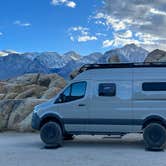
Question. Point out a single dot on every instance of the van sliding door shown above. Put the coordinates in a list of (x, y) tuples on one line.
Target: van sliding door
[(111, 106)]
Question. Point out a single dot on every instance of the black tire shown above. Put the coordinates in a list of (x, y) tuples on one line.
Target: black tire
[(154, 136), (68, 137), (51, 134)]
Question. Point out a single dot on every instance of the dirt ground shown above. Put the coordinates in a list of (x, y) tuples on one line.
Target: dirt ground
[(18, 149)]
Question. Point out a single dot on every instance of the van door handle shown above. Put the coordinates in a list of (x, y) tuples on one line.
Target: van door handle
[(81, 105)]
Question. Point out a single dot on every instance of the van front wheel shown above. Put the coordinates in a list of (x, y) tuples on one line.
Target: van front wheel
[(154, 136), (51, 134)]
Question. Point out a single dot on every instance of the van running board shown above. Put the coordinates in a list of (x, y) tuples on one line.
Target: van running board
[(113, 137)]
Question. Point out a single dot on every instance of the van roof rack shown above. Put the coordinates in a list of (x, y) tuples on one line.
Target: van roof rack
[(121, 65)]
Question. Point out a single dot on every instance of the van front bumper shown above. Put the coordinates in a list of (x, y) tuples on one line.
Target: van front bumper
[(35, 121)]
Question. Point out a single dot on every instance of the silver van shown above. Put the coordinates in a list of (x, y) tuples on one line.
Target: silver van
[(108, 99)]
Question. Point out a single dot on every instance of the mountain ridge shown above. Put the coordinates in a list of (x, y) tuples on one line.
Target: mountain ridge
[(16, 64)]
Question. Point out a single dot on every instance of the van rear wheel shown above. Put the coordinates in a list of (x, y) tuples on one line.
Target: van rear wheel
[(154, 136), (51, 134)]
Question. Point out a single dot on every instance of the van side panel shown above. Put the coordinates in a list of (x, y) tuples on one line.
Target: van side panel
[(148, 103)]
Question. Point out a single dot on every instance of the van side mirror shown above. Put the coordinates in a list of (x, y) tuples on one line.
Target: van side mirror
[(61, 98)]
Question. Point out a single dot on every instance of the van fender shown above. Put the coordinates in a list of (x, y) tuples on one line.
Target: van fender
[(53, 117), (154, 118)]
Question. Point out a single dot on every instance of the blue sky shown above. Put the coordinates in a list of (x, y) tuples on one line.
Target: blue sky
[(49, 25), (84, 26)]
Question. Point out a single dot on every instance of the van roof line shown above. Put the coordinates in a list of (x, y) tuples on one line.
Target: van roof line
[(121, 65)]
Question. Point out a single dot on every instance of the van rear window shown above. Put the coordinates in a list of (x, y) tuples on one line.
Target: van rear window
[(154, 86), (107, 89)]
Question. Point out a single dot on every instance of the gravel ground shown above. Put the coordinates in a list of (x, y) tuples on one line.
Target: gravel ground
[(17, 149)]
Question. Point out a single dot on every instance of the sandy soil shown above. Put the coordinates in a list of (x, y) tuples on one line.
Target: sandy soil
[(17, 149)]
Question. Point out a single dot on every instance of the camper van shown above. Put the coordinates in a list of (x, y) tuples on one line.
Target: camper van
[(108, 99)]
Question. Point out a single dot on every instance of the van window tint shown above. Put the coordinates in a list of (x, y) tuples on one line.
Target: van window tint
[(107, 89), (154, 86), (74, 92), (78, 90)]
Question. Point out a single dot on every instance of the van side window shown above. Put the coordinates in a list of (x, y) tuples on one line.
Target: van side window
[(78, 90), (107, 89), (74, 92), (154, 86)]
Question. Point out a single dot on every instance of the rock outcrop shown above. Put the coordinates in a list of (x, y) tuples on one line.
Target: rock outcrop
[(156, 56), (114, 59), (19, 96)]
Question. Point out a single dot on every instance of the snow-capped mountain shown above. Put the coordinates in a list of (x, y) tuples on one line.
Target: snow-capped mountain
[(71, 56), (31, 55), (128, 53), (7, 52), (16, 64), (92, 58), (50, 60)]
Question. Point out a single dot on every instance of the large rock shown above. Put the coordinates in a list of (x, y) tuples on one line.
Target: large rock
[(50, 93), (2, 96), (156, 56), (14, 88), (2, 87), (26, 79), (21, 111), (19, 96), (10, 95), (44, 80), (34, 92), (114, 59), (25, 125), (57, 81), (74, 73), (6, 107), (31, 85)]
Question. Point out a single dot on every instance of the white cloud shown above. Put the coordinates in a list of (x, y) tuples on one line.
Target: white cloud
[(1, 33), (71, 4), (101, 34), (72, 38), (22, 24), (126, 34), (109, 21), (155, 11), (68, 3), (81, 34), (145, 40), (138, 21), (86, 38), (83, 30), (107, 43), (120, 41), (146, 37)]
